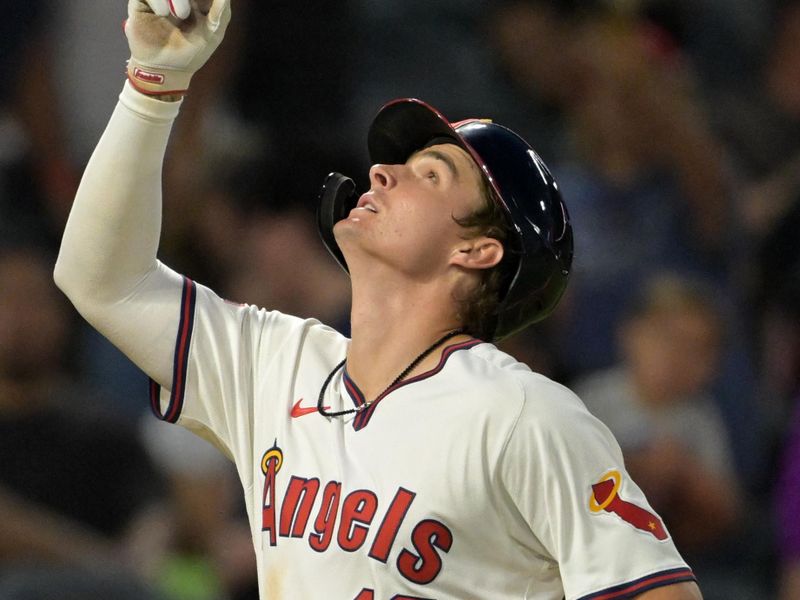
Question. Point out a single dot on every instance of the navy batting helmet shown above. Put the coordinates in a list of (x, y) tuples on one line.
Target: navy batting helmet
[(540, 244)]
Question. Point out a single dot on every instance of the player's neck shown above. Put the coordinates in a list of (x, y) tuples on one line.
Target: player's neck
[(392, 326)]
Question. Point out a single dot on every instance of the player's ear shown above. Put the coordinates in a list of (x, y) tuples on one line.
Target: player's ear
[(478, 253)]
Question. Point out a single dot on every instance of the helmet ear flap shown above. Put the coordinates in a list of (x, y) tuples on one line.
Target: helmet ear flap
[(336, 199)]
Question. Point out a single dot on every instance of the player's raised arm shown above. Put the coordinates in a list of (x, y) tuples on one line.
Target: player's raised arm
[(107, 264)]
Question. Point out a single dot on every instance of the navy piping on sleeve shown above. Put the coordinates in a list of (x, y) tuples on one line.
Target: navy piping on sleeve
[(631, 589), (181, 360)]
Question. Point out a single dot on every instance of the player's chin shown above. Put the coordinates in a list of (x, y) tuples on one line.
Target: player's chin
[(346, 232), (348, 227), (355, 239)]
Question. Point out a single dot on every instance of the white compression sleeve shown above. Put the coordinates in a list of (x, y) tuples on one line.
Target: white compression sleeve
[(107, 263)]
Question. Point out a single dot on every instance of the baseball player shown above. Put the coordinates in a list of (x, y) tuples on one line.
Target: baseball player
[(414, 460)]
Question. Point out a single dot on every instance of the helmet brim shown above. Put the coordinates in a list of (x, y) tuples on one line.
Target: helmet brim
[(406, 125)]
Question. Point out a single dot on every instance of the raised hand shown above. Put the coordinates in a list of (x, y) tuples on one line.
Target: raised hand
[(170, 40)]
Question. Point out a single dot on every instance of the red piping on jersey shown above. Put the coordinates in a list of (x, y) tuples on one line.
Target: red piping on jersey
[(357, 396), (634, 588), (352, 389), (181, 359)]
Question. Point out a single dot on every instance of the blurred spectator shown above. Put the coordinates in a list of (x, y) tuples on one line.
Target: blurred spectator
[(37, 179), (531, 43), (88, 50), (656, 402), (760, 124), (787, 524), (293, 86), (273, 249), (428, 49), (79, 497), (647, 187), (776, 308), (776, 311), (657, 405), (215, 560), (761, 127), (763, 132), (722, 38)]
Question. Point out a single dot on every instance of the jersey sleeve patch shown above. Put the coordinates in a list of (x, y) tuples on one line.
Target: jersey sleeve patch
[(604, 497), (632, 589), (181, 359)]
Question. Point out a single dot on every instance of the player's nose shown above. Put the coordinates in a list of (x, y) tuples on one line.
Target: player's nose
[(382, 177)]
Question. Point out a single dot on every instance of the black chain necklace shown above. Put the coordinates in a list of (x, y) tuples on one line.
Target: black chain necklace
[(397, 379)]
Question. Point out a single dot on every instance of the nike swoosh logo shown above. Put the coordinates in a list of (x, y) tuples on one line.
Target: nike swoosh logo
[(299, 411)]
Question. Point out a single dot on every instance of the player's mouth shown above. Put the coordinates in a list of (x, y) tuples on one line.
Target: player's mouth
[(366, 202)]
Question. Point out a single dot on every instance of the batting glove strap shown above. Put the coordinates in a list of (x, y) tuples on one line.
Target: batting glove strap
[(157, 81)]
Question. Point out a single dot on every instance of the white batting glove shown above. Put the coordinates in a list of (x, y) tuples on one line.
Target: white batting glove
[(170, 40)]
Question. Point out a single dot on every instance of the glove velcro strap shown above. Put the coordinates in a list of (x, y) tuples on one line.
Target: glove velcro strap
[(156, 81)]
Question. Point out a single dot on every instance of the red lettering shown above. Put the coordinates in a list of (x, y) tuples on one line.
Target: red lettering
[(423, 567), (296, 512), (268, 512), (367, 594), (268, 500), (326, 519), (358, 510), (356, 513), (387, 532), (148, 76)]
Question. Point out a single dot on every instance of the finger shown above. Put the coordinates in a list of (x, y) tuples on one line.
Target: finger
[(202, 6), (219, 14), (159, 7), (180, 8)]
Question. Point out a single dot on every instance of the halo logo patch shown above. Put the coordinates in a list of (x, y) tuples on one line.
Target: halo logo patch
[(605, 497)]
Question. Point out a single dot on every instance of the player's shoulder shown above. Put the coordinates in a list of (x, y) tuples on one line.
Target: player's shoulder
[(546, 416), (306, 336), (262, 323), (538, 413), (533, 392)]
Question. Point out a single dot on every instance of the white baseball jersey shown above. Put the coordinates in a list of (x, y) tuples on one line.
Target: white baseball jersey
[(477, 479)]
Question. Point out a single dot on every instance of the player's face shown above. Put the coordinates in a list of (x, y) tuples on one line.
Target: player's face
[(406, 219)]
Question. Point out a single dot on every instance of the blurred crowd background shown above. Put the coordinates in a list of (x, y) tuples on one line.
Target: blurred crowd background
[(673, 129)]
